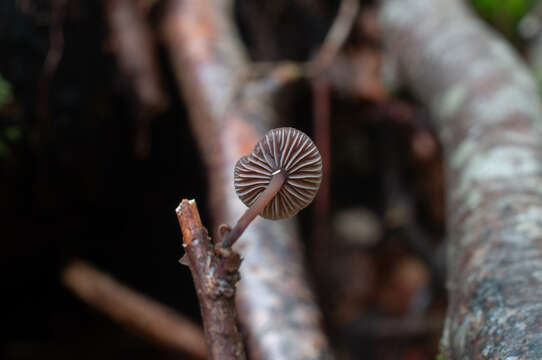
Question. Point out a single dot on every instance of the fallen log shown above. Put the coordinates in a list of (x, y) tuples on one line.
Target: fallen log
[(488, 115)]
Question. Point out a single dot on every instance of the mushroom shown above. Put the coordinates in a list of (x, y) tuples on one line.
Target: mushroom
[(277, 179)]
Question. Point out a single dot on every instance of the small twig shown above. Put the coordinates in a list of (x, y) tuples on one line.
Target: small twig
[(279, 74), (215, 275), (321, 114), (335, 38), (134, 311)]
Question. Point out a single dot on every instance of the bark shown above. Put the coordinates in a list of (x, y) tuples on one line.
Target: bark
[(134, 311), (489, 119), (215, 276), (275, 305)]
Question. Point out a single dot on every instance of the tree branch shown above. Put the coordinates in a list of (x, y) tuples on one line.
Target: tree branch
[(275, 304), (489, 119), (215, 275), (134, 311), (335, 38)]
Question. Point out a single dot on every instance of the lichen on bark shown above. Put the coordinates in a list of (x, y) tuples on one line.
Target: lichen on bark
[(488, 116)]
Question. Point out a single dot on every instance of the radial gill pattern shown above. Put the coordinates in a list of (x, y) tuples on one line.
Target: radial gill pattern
[(291, 151)]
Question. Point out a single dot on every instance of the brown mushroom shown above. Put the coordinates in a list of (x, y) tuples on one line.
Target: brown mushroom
[(277, 179)]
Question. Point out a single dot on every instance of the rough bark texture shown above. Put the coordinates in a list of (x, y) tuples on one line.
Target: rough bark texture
[(215, 276), (275, 305), (134, 311), (489, 120)]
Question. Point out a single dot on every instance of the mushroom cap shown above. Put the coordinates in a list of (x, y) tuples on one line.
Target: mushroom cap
[(291, 151)]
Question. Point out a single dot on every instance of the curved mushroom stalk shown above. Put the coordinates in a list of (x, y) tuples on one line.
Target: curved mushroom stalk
[(277, 179), (256, 208)]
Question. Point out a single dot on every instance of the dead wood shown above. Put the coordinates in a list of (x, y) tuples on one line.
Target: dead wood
[(275, 304), (215, 276), (134, 311), (488, 116)]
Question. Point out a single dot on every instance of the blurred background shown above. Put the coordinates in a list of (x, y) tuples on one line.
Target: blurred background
[(91, 168)]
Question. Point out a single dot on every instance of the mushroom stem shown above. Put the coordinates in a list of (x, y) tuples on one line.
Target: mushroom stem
[(279, 177)]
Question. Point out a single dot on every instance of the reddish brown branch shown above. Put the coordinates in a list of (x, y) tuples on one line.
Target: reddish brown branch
[(321, 113), (134, 311), (276, 305), (215, 275)]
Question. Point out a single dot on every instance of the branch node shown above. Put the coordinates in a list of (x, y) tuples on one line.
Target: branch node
[(215, 275)]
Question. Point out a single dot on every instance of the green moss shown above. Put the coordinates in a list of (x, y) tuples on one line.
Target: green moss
[(504, 14)]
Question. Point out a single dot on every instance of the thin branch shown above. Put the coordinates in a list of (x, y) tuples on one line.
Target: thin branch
[(281, 73), (322, 129), (489, 118), (134, 311), (335, 38), (228, 118), (215, 275), (321, 114)]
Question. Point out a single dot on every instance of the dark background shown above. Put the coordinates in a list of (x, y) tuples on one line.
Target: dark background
[(72, 186)]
